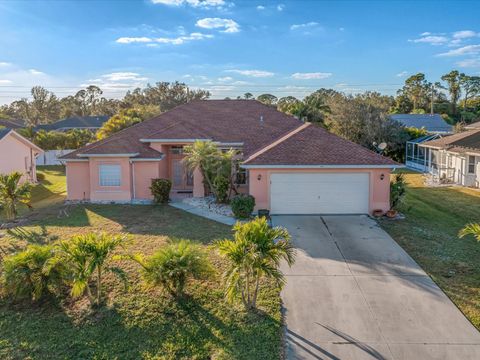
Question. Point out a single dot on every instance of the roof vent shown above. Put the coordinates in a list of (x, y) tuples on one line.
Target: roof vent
[(261, 119)]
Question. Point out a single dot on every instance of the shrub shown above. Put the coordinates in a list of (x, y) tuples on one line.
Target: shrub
[(161, 190), (28, 274), (13, 193), (172, 266), (222, 185), (254, 253), (397, 190), (242, 206), (88, 257)]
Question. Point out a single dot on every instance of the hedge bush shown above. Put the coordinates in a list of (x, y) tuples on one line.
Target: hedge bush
[(161, 190), (242, 206)]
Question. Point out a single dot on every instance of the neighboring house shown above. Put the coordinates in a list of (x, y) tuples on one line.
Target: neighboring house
[(18, 154), (290, 167), (435, 126), (455, 158), (472, 126), (76, 122), (11, 124), (432, 123)]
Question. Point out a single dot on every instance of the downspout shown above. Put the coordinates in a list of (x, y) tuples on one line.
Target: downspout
[(133, 179)]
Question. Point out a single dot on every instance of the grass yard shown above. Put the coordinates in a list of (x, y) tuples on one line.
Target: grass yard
[(429, 234), (51, 190), (139, 322)]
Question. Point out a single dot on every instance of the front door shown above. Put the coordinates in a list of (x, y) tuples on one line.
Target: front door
[(182, 179)]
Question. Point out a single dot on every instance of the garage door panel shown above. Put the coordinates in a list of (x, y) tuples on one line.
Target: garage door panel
[(319, 193)]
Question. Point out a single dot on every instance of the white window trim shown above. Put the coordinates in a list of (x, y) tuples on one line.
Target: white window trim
[(109, 180), (472, 164)]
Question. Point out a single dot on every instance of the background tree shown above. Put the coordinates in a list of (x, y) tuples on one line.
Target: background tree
[(454, 88), (248, 96), (165, 95), (268, 99), (288, 104), (126, 118), (416, 88)]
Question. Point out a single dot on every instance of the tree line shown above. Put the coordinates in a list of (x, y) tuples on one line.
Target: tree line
[(362, 118)]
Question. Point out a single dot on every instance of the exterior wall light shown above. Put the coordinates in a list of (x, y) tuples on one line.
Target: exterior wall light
[(259, 177), (382, 176)]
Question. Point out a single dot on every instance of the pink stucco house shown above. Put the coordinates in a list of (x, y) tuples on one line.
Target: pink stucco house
[(289, 166), (18, 154)]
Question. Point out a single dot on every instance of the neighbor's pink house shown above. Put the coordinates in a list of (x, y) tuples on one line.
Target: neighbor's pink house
[(18, 154), (289, 166)]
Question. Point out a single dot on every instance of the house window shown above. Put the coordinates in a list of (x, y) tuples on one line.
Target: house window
[(241, 176), (471, 164), (110, 175), (177, 150)]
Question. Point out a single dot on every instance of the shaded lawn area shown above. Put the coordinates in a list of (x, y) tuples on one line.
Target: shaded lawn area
[(430, 235), (52, 190), (140, 322)]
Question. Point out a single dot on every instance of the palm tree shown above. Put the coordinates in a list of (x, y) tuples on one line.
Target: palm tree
[(214, 165), (255, 253), (471, 229), (13, 193), (87, 256), (172, 266)]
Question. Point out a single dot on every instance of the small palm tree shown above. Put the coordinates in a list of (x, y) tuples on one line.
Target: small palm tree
[(87, 256), (471, 229), (255, 252), (172, 266), (25, 273), (13, 193)]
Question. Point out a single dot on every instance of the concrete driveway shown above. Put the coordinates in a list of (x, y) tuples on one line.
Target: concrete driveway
[(353, 293)]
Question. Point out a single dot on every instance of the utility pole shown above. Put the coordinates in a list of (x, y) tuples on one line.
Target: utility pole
[(431, 101)]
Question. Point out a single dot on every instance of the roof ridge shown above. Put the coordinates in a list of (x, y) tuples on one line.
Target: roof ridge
[(278, 141)]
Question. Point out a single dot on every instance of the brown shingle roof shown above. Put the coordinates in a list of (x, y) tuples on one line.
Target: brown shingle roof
[(467, 140), (219, 120), (316, 146), (239, 121)]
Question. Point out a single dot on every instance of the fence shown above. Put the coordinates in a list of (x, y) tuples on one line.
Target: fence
[(50, 157)]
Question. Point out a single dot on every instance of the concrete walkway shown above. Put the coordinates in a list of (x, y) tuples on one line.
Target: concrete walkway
[(353, 293), (203, 212)]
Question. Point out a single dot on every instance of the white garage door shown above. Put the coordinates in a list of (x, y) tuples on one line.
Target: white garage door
[(319, 193)]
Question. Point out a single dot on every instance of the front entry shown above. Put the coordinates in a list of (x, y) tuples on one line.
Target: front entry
[(182, 179)]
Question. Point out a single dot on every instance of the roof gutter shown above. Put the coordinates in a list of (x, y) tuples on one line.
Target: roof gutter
[(108, 155), (172, 141), (399, 166)]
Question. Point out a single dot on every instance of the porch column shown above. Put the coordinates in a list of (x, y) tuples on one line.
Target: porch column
[(198, 188)]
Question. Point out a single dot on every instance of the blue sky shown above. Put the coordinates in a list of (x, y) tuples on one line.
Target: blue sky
[(230, 47)]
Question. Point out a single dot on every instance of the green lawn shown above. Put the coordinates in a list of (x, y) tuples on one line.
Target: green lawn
[(429, 234), (139, 322), (50, 191)]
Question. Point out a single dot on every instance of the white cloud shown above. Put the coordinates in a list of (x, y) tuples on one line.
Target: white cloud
[(303, 26), (117, 81), (260, 7), (469, 63), (402, 74), (426, 33), (4, 63), (35, 72), (228, 25), (431, 39), (252, 73), (280, 7), (130, 40), (225, 78), (164, 40), (464, 34), (5, 81), (193, 3), (465, 50), (310, 76)]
